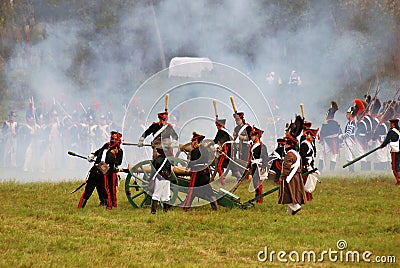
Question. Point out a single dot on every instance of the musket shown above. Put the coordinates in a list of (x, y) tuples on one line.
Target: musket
[(34, 112), (215, 108), (275, 189), (77, 155), (152, 145), (134, 144), (360, 157), (79, 187), (388, 107), (244, 176), (378, 89), (83, 107)]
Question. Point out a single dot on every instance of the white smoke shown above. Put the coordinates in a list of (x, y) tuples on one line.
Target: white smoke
[(78, 62)]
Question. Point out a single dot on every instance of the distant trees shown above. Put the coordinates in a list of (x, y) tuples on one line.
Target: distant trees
[(21, 25)]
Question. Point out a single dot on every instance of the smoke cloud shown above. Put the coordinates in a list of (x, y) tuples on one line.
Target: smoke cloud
[(79, 66)]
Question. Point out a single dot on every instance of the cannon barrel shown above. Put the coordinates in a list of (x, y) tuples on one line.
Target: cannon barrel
[(177, 170)]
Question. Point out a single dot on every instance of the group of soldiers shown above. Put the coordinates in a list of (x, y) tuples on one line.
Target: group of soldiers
[(367, 127), (40, 141), (240, 152)]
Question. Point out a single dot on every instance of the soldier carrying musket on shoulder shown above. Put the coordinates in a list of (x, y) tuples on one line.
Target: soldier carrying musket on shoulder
[(329, 138), (363, 132), (348, 137), (164, 135), (221, 140), (241, 138), (380, 127)]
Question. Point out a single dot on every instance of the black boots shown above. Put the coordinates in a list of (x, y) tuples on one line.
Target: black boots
[(166, 207), (154, 206)]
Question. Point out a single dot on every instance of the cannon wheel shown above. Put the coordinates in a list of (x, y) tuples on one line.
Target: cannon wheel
[(142, 198), (130, 183)]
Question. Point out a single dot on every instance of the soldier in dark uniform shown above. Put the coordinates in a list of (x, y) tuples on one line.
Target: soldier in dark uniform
[(277, 157), (258, 160), (329, 138), (200, 174), (363, 132), (306, 125), (115, 140), (102, 173), (348, 136), (161, 172), (307, 153), (241, 138), (221, 140), (379, 130), (164, 134), (393, 139)]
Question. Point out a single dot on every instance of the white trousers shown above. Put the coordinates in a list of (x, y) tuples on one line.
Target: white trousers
[(162, 190)]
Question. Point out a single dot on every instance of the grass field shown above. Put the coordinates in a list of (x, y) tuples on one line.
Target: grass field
[(41, 227)]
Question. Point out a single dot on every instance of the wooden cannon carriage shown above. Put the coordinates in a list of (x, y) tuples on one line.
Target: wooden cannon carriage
[(137, 183)]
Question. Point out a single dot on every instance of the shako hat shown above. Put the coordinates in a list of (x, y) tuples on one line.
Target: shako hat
[(197, 136), (220, 122)]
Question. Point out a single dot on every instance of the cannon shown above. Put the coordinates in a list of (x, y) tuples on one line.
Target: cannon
[(137, 183)]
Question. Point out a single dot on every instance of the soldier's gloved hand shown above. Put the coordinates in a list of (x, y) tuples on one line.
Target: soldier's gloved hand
[(141, 141), (341, 136), (90, 158)]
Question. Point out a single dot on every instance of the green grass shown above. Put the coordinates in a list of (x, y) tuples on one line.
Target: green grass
[(40, 226)]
